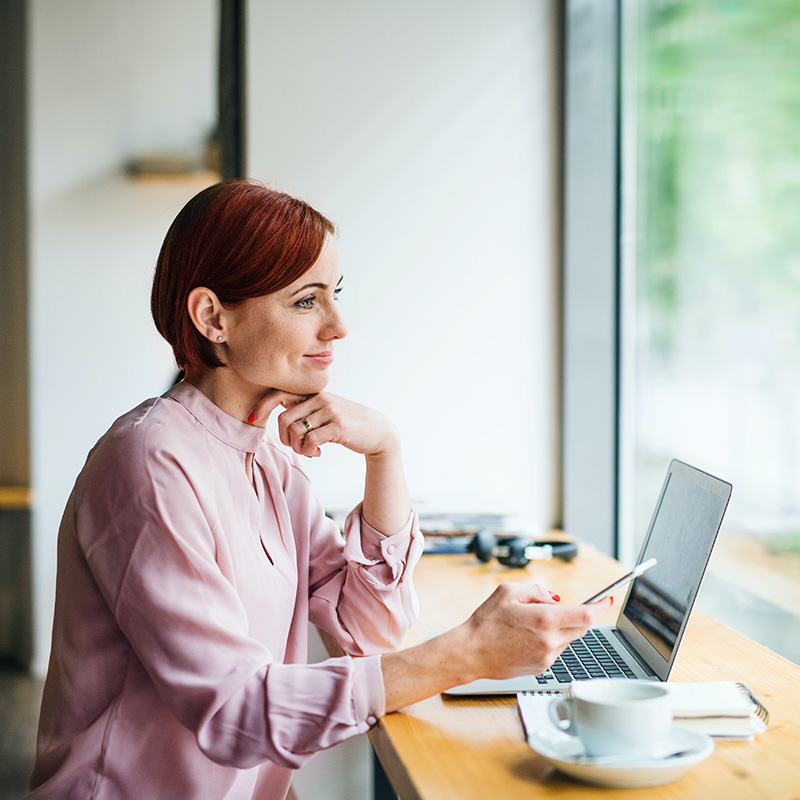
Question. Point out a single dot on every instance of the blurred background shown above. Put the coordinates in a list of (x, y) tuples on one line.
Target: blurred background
[(711, 260), (440, 138)]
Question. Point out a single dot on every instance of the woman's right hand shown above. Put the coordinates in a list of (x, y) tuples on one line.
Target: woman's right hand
[(521, 630), (518, 630)]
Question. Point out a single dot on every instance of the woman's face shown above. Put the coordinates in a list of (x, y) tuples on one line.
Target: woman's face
[(285, 340)]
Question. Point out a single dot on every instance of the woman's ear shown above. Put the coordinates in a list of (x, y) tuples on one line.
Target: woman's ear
[(205, 311)]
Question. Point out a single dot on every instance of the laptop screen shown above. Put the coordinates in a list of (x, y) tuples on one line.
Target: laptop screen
[(681, 536)]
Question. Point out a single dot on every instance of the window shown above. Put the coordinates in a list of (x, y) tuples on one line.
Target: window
[(710, 255)]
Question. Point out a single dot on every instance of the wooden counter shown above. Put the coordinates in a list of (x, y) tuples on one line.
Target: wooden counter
[(464, 748)]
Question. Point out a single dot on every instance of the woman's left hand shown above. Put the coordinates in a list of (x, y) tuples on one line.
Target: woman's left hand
[(310, 422), (306, 426)]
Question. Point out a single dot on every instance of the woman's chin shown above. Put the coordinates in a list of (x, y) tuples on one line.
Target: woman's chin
[(303, 387)]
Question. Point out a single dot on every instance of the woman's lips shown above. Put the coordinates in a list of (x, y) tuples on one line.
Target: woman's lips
[(325, 359)]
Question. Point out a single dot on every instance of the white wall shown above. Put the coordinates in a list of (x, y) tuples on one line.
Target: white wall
[(108, 80), (426, 131), (112, 79)]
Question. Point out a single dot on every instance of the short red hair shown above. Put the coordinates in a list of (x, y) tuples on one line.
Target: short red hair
[(241, 240)]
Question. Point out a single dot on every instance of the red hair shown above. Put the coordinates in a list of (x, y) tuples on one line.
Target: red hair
[(241, 240)]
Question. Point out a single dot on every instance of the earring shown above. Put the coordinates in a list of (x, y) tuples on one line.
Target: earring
[(219, 338)]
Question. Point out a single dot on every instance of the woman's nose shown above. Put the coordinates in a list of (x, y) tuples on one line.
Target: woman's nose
[(334, 324)]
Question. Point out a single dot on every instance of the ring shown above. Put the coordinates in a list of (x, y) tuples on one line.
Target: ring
[(309, 426)]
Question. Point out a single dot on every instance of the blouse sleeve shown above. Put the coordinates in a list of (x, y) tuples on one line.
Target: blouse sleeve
[(149, 542), (361, 590)]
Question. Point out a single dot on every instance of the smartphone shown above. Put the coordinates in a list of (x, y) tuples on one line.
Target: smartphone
[(634, 573)]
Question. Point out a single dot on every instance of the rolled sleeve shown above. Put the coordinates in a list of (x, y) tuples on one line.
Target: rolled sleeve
[(366, 546), (368, 602)]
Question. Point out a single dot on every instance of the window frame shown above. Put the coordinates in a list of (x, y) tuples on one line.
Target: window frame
[(592, 285)]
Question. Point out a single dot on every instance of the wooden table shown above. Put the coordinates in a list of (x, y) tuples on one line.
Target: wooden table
[(464, 748)]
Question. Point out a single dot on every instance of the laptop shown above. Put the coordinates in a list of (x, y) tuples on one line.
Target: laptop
[(644, 642)]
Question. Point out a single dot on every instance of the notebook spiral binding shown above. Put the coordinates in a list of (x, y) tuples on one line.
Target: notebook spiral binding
[(761, 709)]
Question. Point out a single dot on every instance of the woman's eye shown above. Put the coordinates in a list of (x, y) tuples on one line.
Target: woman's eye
[(307, 303)]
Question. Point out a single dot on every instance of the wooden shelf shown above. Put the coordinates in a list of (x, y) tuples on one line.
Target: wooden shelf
[(15, 497)]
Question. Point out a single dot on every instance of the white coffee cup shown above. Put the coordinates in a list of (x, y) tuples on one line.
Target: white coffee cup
[(615, 716)]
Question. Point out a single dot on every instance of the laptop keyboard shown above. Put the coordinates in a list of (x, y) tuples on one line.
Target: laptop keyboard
[(591, 656)]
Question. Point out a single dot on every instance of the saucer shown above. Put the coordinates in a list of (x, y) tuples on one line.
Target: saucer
[(566, 753)]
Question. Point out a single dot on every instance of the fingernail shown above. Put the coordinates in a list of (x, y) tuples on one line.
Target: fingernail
[(612, 599), (252, 418), (555, 597)]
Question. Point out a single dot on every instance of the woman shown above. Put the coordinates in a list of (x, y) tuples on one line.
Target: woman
[(193, 554)]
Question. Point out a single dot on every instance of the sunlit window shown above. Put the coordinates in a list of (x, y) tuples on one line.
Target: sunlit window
[(711, 266)]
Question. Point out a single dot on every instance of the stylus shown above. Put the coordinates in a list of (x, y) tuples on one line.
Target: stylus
[(638, 570)]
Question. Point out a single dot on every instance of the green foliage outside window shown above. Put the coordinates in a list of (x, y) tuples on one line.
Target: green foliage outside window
[(718, 164)]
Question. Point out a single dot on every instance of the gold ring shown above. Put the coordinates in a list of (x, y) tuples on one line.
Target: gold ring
[(309, 426)]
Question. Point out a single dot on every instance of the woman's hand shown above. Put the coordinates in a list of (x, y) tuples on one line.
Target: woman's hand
[(518, 630), (322, 418), (312, 421)]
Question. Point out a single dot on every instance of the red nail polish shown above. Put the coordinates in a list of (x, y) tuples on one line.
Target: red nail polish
[(612, 600), (555, 597), (252, 418)]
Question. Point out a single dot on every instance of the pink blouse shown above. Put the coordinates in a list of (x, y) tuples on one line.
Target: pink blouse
[(183, 598)]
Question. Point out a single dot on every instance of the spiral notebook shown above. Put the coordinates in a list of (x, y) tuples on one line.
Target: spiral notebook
[(721, 709)]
